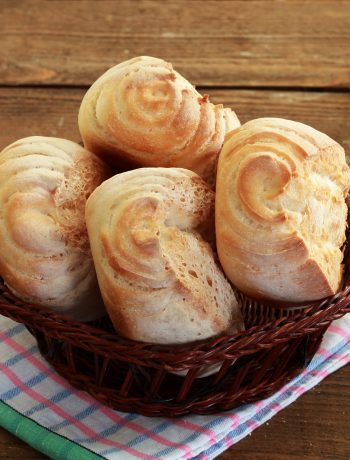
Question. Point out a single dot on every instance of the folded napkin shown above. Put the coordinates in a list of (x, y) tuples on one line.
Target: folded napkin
[(41, 408)]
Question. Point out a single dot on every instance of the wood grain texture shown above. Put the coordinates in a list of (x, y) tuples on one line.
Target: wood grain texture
[(53, 112), (229, 43), (315, 427), (12, 448)]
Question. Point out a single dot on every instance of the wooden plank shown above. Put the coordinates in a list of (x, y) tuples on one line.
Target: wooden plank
[(53, 111), (12, 448), (327, 112), (315, 427), (312, 428), (295, 43)]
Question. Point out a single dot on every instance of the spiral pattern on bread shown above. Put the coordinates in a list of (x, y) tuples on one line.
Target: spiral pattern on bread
[(157, 274), (45, 256), (143, 113), (281, 211)]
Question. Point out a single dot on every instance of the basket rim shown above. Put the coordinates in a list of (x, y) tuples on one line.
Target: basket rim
[(111, 345)]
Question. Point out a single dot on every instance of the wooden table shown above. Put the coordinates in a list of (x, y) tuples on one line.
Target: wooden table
[(263, 58)]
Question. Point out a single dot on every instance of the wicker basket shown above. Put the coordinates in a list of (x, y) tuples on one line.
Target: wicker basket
[(145, 378)]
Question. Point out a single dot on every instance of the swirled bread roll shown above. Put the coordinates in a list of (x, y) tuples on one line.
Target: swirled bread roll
[(280, 210), (143, 113), (45, 256), (157, 275)]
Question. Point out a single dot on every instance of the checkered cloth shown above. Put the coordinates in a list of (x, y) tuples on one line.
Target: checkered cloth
[(45, 411)]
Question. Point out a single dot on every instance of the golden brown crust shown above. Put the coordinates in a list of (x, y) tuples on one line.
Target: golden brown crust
[(157, 274), (45, 257), (143, 113), (280, 210)]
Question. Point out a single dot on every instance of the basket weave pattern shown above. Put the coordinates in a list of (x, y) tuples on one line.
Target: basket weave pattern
[(159, 380)]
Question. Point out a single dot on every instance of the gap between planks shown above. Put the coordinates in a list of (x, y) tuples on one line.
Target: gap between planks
[(200, 88)]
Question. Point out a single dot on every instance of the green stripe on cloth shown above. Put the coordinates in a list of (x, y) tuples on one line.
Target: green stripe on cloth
[(54, 445)]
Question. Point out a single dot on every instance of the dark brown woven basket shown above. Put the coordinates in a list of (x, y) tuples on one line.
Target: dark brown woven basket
[(144, 378)]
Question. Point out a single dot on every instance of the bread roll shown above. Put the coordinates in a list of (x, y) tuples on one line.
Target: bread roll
[(280, 210), (143, 113), (45, 256), (157, 275)]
